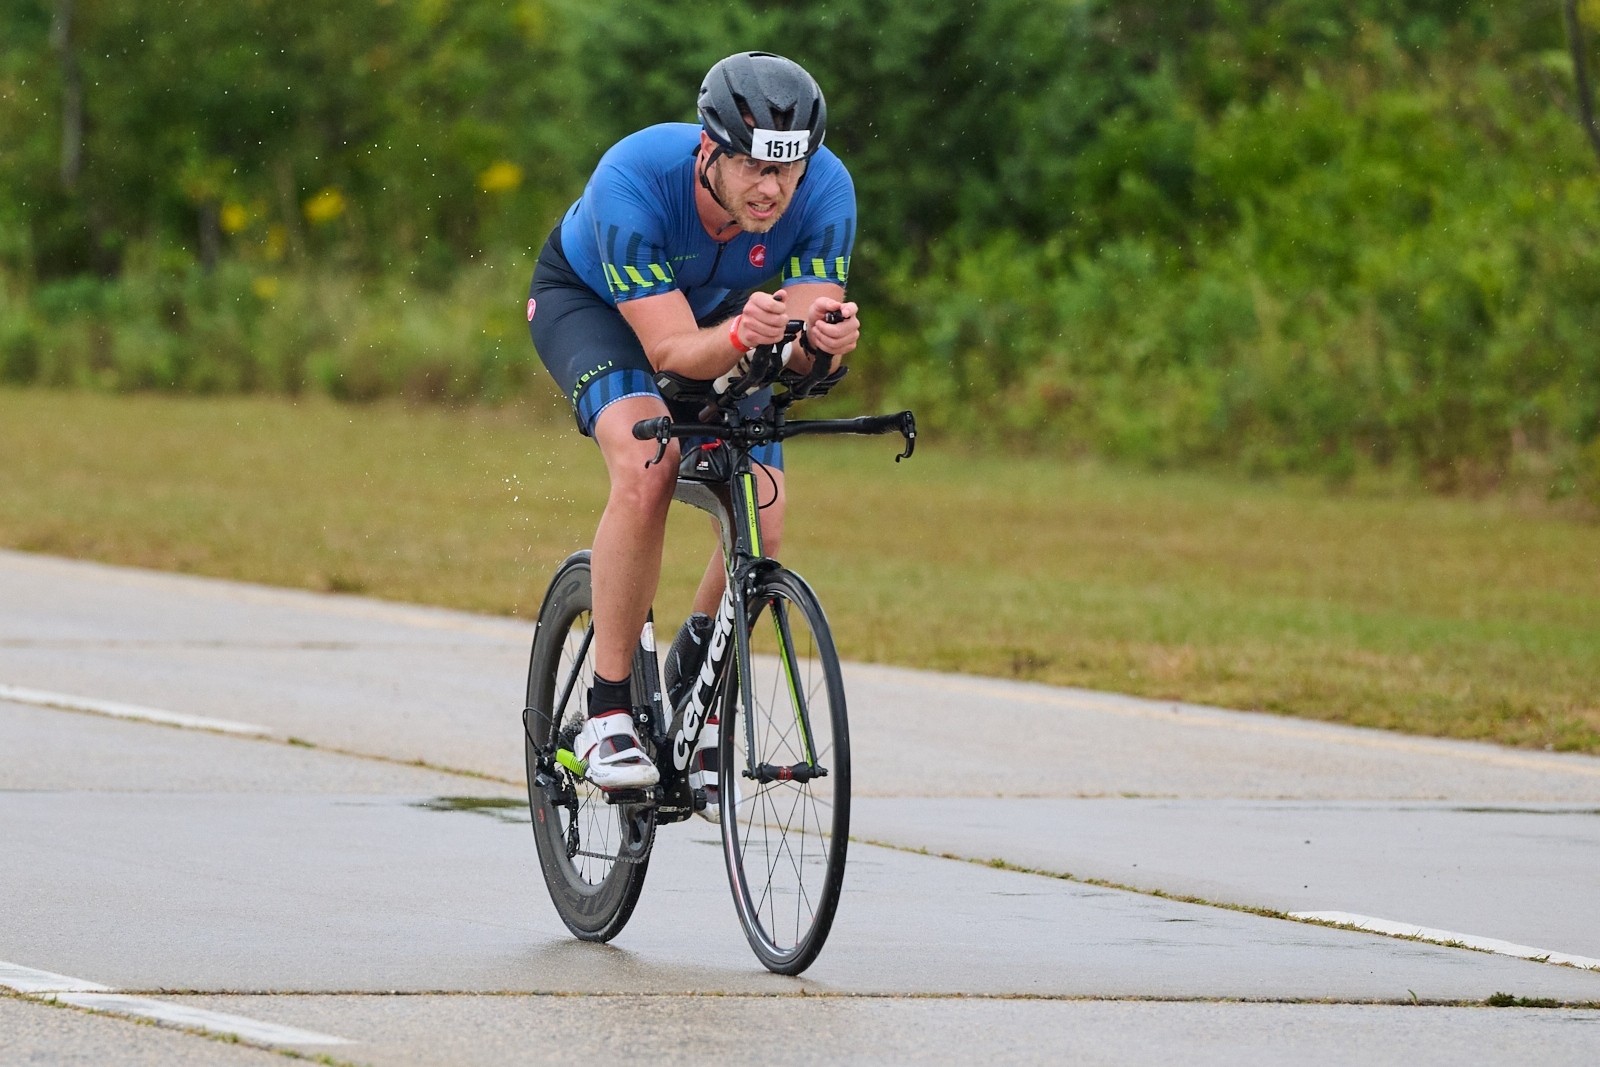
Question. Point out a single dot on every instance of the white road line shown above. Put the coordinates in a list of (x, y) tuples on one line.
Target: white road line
[(1445, 937), (27, 980), (45, 699), (81, 994), (212, 1022)]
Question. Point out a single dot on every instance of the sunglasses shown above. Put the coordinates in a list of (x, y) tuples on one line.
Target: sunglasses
[(751, 169)]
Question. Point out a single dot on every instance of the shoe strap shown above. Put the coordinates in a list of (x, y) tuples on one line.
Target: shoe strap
[(616, 723)]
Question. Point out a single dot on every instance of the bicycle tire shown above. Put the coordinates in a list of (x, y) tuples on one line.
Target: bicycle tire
[(594, 855), (785, 840)]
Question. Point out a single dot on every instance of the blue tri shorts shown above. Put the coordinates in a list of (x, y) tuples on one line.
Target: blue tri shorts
[(596, 358)]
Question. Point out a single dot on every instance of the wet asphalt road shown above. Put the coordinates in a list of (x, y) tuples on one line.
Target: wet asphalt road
[(316, 888)]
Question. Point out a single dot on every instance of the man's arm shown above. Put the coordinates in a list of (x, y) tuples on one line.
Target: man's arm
[(836, 338), (666, 328)]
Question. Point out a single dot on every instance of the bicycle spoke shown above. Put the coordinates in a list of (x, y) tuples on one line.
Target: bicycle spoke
[(789, 860), (593, 855), (593, 831)]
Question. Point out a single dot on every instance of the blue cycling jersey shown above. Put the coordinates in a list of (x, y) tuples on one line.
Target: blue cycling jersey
[(636, 232)]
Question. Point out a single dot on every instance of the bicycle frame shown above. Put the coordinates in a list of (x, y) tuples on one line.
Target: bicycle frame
[(735, 506), (737, 510), (786, 835), (733, 501)]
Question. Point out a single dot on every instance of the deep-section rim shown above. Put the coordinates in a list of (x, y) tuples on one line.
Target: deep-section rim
[(593, 911)]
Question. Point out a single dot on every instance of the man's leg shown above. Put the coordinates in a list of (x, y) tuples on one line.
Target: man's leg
[(626, 559), (716, 576)]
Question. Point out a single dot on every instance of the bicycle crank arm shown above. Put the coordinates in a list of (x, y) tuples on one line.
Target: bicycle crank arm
[(800, 772), (632, 797)]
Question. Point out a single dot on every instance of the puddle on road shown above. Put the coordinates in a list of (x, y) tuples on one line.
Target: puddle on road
[(505, 809)]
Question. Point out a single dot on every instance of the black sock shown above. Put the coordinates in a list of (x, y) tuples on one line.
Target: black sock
[(609, 696)]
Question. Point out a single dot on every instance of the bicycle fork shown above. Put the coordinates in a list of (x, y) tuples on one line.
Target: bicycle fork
[(747, 515)]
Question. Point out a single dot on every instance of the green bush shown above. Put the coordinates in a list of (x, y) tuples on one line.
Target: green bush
[(354, 338), (1304, 235), (1371, 277)]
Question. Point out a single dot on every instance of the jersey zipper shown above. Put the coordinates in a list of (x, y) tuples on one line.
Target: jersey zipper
[(722, 247)]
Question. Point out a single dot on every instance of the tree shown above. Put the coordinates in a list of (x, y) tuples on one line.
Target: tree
[(1580, 74)]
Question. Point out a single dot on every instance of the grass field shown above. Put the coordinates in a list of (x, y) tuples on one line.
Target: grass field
[(1380, 606)]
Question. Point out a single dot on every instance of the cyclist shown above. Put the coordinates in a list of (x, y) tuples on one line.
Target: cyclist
[(654, 272)]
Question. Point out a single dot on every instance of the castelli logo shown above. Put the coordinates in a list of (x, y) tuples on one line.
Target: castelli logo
[(758, 256), (531, 305)]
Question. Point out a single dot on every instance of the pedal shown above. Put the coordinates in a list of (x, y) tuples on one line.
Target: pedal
[(700, 800), (627, 796), (676, 803)]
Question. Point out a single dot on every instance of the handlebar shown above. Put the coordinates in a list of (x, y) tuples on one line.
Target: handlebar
[(760, 368), (662, 429), (650, 428), (765, 367), (902, 421)]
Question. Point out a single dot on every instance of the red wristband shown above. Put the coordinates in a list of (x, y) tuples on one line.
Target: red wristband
[(733, 333)]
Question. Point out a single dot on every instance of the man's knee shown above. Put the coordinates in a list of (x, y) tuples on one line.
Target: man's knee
[(771, 536), (772, 517), (647, 491), (635, 487)]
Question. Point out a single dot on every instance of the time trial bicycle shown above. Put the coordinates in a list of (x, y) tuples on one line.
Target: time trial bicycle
[(771, 677)]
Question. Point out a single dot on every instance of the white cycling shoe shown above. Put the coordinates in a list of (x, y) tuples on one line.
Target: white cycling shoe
[(704, 772), (609, 747)]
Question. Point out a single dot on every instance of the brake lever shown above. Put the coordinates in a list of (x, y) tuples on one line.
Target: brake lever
[(663, 439), (908, 429)]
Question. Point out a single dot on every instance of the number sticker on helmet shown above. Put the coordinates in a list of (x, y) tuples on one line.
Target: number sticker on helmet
[(780, 146)]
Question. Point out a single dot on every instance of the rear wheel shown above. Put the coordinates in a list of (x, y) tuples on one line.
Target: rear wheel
[(593, 854), (785, 777)]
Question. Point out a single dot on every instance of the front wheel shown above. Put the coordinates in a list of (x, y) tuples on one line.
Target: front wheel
[(785, 781)]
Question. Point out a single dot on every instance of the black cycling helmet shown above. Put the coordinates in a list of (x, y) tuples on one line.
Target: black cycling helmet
[(776, 93)]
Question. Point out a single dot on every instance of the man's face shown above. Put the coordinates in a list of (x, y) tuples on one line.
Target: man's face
[(755, 191)]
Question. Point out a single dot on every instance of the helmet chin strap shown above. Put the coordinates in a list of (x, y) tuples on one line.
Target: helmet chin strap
[(706, 184)]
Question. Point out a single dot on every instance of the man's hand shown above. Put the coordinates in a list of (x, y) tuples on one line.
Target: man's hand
[(764, 317), (836, 338), (673, 342)]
